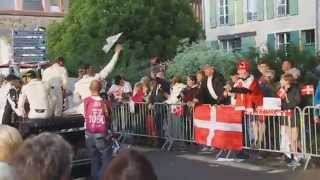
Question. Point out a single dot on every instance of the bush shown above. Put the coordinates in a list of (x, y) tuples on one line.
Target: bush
[(191, 57)]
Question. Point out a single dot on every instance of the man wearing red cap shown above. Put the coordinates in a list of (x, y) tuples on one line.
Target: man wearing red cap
[(247, 90)]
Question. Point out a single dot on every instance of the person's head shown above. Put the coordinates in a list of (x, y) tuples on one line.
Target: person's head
[(10, 141), (243, 68), (263, 66), (89, 70), (130, 165), (95, 87), (145, 81), (287, 80), (208, 70), (60, 61), (176, 79), (138, 87), (118, 80), (191, 80), (45, 156), (286, 65), (11, 77), (160, 75), (269, 75), (200, 76), (30, 75)]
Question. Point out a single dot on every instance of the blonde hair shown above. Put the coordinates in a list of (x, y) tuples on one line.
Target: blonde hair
[(10, 140)]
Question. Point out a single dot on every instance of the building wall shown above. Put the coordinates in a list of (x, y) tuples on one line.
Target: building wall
[(305, 19), (14, 17)]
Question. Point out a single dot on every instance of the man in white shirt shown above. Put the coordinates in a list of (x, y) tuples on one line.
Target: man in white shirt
[(36, 93), (56, 77), (82, 90)]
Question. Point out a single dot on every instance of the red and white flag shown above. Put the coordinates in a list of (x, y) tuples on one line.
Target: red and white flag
[(218, 126), (282, 93), (307, 90)]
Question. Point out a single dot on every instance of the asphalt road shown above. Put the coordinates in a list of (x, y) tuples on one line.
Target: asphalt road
[(191, 166)]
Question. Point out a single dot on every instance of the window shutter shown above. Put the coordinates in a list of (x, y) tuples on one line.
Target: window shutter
[(270, 9), (231, 5), (239, 11), (260, 10), (213, 13), (295, 38), (271, 42), (247, 43), (293, 7)]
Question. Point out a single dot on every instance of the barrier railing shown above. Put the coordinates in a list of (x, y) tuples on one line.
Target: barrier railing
[(287, 132)]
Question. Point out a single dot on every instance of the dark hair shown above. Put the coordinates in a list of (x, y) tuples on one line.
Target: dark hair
[(118, 79), (86, 67), (130, 165), (263, 61), (46, 156), (289, 61), (60, 59), (193, 77)]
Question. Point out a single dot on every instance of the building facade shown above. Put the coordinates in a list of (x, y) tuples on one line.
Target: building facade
[(26, 15), (237, 25)]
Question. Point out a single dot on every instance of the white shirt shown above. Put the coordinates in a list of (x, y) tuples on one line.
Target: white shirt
[(175, 92), (82, 90), (37, 94), (210, 88), (56, 76)]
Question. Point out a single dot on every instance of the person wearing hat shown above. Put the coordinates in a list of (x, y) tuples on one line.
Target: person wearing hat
[(212, 88), (56, 76), (36, 93), (247, 89)]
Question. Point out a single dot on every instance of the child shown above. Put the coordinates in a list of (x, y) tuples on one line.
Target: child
[(96, 114)]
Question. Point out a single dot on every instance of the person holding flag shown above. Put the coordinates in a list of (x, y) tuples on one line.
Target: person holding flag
[(82, 90)]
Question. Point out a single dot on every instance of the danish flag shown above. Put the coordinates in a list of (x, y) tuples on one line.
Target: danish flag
[(218, 126), (307, 90)]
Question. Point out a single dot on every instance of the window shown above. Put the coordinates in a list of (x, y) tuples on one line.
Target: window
[(233, 45), (54, 6), (32, 5), (224, 11), (309, 37), (6, 4), (282, 7), (283, 40), (252, 10)]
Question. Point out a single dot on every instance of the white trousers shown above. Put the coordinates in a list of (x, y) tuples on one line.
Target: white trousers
[(33, 114), (56, 101)]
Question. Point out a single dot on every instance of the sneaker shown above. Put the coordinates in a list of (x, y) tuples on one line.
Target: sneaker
[(205, 149)]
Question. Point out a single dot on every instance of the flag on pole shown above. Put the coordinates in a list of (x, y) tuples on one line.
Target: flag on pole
[(307, 90), (218, 126), (111, 40)]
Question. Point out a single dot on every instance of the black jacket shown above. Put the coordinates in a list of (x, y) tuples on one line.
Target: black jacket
[(218, 83), (294, 98)]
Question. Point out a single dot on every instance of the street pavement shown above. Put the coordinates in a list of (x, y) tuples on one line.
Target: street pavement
[(195, 166)]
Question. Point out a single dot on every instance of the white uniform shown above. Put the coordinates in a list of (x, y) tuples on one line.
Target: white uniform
[(36, 93), (82, 89), (57, 78)]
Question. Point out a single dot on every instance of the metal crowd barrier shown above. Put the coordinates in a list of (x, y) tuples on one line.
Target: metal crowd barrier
[(290, 132)]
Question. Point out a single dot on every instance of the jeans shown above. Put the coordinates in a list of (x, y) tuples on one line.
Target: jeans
[(100, 153)]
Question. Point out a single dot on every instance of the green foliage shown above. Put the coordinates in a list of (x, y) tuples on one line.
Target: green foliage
[(190, 58), (151, 28), (302, 59)]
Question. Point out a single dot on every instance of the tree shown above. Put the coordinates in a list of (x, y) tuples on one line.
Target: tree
[(151, 28)]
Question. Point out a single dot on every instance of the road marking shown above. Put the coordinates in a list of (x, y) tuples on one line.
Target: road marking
[(230, 163)]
